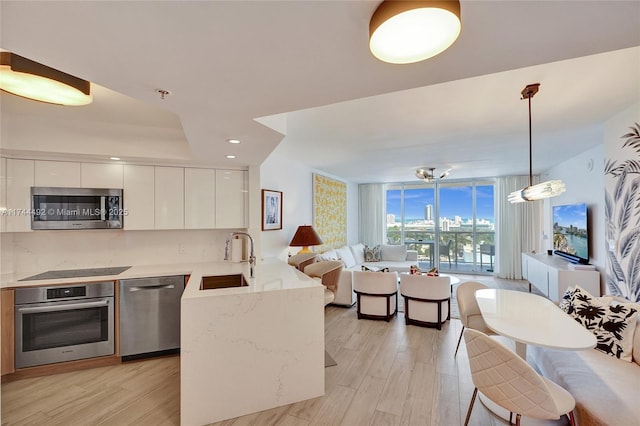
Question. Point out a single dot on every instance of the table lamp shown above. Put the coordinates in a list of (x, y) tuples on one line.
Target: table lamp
[(304, 237)]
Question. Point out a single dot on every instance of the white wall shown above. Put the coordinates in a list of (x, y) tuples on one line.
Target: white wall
[(583, 176), (38, 251), (281, 173)]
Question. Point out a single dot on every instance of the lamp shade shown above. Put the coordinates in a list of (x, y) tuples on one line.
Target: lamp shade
[(32, 80), (403, 32), (305, 236)]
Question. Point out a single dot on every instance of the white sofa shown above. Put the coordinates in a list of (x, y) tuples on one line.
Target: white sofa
[(605, 388), (395, 257)]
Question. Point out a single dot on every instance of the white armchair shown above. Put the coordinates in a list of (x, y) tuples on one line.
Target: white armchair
[(377, 294), (427, 300), (329, 272)]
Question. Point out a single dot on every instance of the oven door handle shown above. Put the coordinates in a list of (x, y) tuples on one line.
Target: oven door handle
[(64, 307), (152, 287)]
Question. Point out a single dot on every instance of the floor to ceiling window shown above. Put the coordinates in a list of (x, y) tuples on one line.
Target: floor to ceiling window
[(450, 223)]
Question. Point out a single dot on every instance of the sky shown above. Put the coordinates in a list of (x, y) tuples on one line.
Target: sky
[(454, 201), (574, 214)]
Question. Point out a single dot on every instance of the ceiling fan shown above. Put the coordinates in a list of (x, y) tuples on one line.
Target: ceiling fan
[(428, 174)]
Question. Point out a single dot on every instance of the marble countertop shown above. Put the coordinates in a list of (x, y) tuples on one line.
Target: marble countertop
[(270, 275)]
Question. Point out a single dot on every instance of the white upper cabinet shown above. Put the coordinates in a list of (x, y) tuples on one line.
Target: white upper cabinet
[(199, 198), (98, 175), (57, 174), (169, 198), (3, 194), (20, 179), (139, 197), (231, 198)]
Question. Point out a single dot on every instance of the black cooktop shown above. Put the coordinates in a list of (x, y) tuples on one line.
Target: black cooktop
[(77, 273)]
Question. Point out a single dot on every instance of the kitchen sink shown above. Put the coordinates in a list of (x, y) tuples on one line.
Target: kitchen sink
[(223, 281)]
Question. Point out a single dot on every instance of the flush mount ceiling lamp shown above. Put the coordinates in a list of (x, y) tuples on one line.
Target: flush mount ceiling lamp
[(428, 174), (403, 32), (29, 79), (542, 190)]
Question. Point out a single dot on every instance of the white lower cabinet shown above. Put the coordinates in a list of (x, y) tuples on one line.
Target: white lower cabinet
[(169, 198), (199, 198), (552, 276), (231, 199), (139, 197)]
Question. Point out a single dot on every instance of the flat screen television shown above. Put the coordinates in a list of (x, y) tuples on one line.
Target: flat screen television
[(571, 232)]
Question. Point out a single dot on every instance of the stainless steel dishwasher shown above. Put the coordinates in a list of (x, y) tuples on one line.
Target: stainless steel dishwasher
[(150, 316)]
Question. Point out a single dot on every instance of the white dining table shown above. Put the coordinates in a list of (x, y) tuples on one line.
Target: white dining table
[(529, 319)]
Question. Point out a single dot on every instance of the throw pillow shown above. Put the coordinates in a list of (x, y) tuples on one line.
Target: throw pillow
[(393, 253), (374, 269), (328, 255), (344, 254), (567, 300), (372, 254), (613, 324), (357, 250)]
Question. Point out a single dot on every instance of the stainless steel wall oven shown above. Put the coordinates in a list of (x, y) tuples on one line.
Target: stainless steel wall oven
[(63, 323)]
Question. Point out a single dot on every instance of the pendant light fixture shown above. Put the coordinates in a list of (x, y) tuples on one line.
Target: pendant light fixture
[(428, 174), (403, 32), (542, 190), (32, 80)]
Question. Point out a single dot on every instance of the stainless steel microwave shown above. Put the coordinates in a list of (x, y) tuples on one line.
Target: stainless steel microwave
[(76, 208)]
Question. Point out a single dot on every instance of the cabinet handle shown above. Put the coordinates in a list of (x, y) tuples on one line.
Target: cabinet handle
[(152, 287), (64, 307)]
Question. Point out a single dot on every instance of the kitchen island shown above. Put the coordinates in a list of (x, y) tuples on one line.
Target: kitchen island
[(248, 349)]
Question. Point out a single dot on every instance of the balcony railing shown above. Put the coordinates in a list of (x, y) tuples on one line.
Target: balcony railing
[(460, 255)]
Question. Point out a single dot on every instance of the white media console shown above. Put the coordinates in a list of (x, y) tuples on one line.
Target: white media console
[(552, 275)]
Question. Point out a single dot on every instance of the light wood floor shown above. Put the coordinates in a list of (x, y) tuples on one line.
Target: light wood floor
[(387, 373)]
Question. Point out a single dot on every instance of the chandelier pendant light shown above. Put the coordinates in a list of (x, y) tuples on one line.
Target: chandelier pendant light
[(404, 32), (32, 80), (542, 190)]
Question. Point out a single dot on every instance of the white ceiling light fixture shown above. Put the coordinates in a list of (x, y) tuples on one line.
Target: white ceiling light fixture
[(230, 157), (542, 190), (233, 141), (32, 80), (428, 174), (404, 32)]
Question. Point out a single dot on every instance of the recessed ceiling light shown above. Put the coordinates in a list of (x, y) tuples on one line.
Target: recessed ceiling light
[(114, 158), (233, 141), (231, 156)]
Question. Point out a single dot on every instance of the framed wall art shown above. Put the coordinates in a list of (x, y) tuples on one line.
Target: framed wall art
[(271, 210)]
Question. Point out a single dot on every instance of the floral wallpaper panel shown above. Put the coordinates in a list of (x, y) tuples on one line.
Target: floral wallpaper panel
[(622, 214), (330, 212)]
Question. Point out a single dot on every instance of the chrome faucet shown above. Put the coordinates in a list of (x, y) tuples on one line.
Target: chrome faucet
[(252, 255)]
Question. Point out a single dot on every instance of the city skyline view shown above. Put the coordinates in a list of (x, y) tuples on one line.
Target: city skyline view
[(454, 201)]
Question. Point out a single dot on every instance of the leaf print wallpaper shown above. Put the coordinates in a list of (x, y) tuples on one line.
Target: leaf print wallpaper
[(622, 215), (330, 212)]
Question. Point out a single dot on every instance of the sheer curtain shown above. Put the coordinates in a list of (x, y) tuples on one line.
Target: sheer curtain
[(518, 227), (373, 213)]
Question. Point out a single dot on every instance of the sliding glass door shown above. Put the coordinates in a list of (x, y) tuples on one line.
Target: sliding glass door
[(450, 224)]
